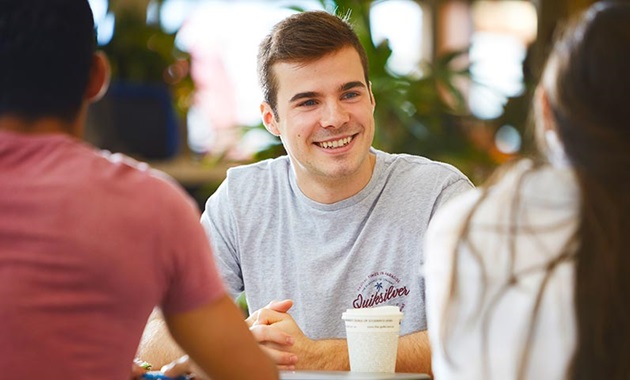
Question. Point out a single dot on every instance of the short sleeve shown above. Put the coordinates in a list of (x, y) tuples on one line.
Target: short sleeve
[(191, 273)]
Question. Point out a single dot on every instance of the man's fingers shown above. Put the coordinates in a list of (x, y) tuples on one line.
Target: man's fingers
[(280, 306), (267, 317), (270, 334), (178, 367), (137, 371), (252, 318), (270, 313), (281, 358), (286, 367)]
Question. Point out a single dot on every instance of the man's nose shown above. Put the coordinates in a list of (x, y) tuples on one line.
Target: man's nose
[(334, 115)]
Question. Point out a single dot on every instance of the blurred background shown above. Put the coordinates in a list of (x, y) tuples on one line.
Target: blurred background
[(453, 79)]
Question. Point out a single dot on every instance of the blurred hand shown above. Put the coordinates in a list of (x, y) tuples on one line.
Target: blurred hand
[(278, 306), (180, 367), (278, 334), (273, 341), (136, 369)]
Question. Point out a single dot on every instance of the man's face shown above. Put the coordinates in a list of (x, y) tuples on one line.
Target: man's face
[(325, 117)]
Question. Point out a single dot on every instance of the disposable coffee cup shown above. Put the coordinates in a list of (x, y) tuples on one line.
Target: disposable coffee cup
[(373, 338)]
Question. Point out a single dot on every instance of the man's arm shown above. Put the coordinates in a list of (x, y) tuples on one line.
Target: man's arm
[(212, 334), (414, 355), (157, 345), (414, 352)]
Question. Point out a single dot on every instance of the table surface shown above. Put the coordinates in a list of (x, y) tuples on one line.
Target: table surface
[(343, 375)]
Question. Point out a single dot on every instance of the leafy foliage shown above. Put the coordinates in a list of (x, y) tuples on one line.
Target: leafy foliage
[(141, 53)]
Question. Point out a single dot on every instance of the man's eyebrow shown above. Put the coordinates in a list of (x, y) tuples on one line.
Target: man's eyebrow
[(313, 94), (351, 85), (302, 95)]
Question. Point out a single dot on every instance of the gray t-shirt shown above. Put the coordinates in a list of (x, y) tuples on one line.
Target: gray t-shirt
[(275, 243)]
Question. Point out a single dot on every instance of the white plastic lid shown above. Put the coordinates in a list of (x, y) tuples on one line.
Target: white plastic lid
[(380, 311)]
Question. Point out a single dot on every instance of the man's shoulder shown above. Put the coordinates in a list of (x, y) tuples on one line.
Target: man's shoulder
[(258, 171), (249, 184), (250, 189), (133, 176), (125, 166), (414, 165)]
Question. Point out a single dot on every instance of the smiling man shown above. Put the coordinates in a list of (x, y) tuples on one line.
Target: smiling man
[(334, 224), (326, 125)]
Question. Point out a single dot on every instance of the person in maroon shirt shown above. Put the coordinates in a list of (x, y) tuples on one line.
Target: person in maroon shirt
[(90, 242)]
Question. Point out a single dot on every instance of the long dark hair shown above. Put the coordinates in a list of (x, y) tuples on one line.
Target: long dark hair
[(592, 117), (586, 81)]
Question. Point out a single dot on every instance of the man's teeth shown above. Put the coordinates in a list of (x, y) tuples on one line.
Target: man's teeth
[(336, 143)]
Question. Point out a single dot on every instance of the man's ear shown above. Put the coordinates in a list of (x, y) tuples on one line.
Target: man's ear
[(546, 115), (99, 77), (269, 119), (543, 116), (372, 99)]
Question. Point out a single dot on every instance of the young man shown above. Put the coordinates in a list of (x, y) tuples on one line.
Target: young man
[(91, 242), (335, 224)]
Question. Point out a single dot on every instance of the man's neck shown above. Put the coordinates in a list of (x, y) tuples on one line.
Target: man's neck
[(44, 125), (333, 190)]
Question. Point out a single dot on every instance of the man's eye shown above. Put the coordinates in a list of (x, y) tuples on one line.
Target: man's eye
[(350, 95), (307, 103)]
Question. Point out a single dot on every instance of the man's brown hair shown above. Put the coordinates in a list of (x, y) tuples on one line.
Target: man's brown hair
[(302, 38)]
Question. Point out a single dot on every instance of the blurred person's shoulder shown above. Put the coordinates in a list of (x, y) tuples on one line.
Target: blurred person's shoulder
[(482, 198), (132, 175), (521, 184), (531, 184)]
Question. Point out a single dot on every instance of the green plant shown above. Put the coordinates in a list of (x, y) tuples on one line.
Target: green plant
[(141, 52), (143, 112), (241, 302)]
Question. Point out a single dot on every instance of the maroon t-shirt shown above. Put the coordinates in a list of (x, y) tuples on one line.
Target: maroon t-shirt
[(89, 244)]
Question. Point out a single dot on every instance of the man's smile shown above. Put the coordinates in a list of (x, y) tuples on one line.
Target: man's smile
[(335, 143)]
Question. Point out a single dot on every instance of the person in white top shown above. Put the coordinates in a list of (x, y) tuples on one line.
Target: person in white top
[(528, 277)]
